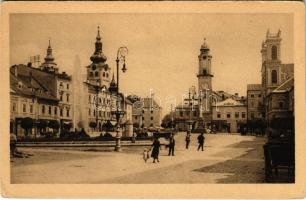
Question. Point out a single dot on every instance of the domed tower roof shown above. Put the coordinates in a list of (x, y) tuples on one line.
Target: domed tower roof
[(204, 46), (98, 56)]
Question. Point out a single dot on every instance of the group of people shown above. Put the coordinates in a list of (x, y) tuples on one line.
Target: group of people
[(156, 146)]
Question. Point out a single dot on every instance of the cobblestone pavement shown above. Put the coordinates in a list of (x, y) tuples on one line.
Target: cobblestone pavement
[(225, 159)]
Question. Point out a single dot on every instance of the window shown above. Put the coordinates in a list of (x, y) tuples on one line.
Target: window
[(100, 113), (219, 115), (252, 95), (31, 108), (94, 113), (228, 115), (91, 74), (89, 98), (259, 95), (135, 117), (67, 86), (89, 112), (67, 97), (106, 75), (55, 110), (151, 111), (14, 107), (100, 101), (243, 115), (50, 110), (61, 98), (252, 116), (68, 112), (274, 76), (281, 104), (61, 84), (96, 73), (103, 74), (24, 108), (205, 72), (142, 118), (142, 111), (252, 104), (181, 113), (194, 113), (151, 125), (61, 112), (274, 52), (151, 118), (236, 114), (43, 109)]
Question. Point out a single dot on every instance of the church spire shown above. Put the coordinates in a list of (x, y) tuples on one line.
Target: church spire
[(49, 57), (98, 55)]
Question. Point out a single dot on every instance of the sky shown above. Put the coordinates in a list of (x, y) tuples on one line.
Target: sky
[(163, 48)]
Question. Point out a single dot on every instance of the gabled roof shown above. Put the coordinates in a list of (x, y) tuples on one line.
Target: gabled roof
[(147, 103), (229, 102), (284, 87)]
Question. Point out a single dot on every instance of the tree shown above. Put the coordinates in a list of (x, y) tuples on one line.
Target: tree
[(26, 124), (93, 125), (167, 121)]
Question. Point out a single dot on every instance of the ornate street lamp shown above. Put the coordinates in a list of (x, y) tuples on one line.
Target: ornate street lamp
[(121, 53)]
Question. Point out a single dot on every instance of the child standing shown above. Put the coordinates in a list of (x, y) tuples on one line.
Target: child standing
[(146, 154)]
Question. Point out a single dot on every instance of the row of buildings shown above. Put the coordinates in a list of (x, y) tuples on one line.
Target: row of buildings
[(56, 101), (224, 112)]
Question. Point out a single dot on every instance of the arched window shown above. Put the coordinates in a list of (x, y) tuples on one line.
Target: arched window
[(103, 74), (274, 52), (274, 76), (96, 73)]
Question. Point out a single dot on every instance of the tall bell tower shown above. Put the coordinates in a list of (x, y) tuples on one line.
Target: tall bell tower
[(205, 85)]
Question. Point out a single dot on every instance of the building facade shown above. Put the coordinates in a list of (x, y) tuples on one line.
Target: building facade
[(255, 106), (229, 115), (147, 113)]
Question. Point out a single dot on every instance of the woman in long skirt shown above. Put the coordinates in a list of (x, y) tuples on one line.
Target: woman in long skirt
[(155, 149)]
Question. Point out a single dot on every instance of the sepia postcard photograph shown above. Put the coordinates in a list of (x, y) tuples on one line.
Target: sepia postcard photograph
[(134, 99)]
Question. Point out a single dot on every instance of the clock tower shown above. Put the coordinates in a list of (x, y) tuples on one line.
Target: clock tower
[(98, 72), (205, 85)]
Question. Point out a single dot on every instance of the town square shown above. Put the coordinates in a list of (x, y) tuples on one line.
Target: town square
[(119, 98)]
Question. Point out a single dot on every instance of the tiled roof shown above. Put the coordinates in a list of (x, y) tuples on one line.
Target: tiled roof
[(23, 86), (286, 86), (229, 102), (254, 87)]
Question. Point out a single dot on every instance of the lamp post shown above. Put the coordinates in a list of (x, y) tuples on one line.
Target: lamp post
[(121, 53)]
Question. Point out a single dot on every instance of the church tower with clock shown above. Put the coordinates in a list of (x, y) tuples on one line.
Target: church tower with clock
[(98, 72), (205, 85)]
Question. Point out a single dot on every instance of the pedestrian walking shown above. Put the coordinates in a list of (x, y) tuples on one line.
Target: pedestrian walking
[(187, 139), (171, 146), (201, 139), (155, 149)]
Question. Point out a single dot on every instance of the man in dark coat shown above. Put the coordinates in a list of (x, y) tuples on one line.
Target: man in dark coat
[(201, 139), (171, 146), (187, 139), (155, 150)]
